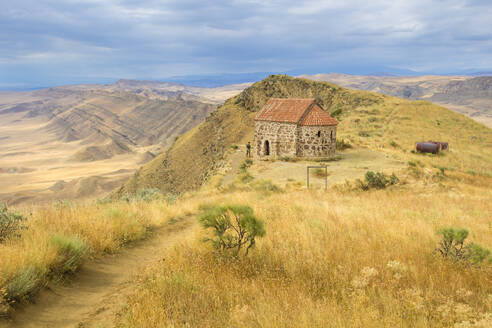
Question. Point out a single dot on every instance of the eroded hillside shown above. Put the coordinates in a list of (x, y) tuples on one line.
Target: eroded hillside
[(87, 137)]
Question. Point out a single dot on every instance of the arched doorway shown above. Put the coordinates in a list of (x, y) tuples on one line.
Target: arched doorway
[(267, 148)]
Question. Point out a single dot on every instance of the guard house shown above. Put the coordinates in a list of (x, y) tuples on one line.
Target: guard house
[(294, 128)]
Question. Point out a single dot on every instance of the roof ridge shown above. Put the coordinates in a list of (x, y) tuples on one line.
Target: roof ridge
[(292, 110), (318, 117)]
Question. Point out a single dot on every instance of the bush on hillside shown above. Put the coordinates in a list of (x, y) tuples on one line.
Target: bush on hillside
[(234, 227), (453, 247), (71, 253), (149, 194), (25, 283), (337, 112), (10, 223), (377, 180), (246, 164)]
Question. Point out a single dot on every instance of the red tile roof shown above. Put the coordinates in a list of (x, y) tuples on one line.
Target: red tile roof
[(284, 110), (292, 110), (318, 117)]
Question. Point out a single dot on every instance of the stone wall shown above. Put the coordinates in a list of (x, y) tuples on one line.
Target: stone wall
[(316, 141), (280, 137), (290, 140)]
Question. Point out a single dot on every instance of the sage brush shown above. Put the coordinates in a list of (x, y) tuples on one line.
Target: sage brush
[(234, 227)]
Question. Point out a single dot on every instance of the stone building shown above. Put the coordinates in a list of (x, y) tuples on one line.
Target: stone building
[(294, 128)]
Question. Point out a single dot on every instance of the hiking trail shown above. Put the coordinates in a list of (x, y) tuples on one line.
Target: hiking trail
[(98, 291)]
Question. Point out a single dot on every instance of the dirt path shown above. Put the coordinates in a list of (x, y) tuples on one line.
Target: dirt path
[(98, 291), (235, 160)]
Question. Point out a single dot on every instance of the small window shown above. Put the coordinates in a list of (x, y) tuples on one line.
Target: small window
[(331, 135), (319, 134)]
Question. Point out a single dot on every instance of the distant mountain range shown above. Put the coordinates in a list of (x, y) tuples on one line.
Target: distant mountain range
[(60, 141), (223, 79), (468, 95)]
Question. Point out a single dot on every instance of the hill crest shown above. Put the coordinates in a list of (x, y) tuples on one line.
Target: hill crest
[(367, 119)]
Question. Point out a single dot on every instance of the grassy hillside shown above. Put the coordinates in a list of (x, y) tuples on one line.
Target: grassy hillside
[(329, 259), (367, 120)]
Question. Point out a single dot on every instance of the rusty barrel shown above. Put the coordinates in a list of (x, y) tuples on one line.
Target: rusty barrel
[(427, 147), (442, 145)]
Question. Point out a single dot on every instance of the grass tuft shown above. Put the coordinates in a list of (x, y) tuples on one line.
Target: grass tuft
[(71, 253)]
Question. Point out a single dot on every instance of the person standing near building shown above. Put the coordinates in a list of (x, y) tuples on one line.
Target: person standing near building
[(248, 149)]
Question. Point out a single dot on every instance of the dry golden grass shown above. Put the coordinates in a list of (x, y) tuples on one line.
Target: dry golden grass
[(329, 259), (33, 260)]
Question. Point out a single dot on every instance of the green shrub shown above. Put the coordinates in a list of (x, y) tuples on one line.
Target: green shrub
[(149, 194), (10, 223), (26, 282), (394, 144), (364, 134), (478, 254), (234, 227), (453, 247), (246, 164), (377, 180), (337, 112), (342, 144), (234, 146), (71, 253)]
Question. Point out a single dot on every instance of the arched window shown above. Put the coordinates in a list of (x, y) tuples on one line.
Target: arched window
[(331, 135), (319, 134), (267, 148)]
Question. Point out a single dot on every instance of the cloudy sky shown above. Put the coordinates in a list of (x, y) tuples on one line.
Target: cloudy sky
[(50, 42)]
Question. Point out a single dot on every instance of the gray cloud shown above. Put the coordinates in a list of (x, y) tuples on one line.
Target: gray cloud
[(48, 41)]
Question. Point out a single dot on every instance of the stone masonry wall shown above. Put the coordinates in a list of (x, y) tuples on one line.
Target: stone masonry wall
[(316, 141), (281, 138)]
